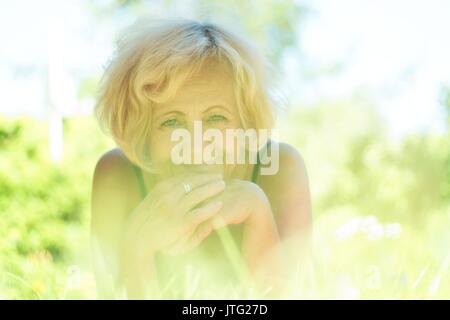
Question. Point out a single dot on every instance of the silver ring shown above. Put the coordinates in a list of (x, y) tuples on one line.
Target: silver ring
[(187, 187)]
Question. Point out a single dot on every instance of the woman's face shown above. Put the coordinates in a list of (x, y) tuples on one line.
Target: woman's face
[(208, 97)]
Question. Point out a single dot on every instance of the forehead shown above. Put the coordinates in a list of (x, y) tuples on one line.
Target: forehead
[(212, 84)]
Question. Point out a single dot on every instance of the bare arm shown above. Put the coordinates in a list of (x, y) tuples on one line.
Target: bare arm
[(127, 231), (289, 195), (109, 207)]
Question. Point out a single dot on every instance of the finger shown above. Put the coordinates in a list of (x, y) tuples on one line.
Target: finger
[(178, 247), (197, 216), (195, 179), (182, 244), (191, 241), (200, 194), (219, 222), (176, 185), (202, 232)]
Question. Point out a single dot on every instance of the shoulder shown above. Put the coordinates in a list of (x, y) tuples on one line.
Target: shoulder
[(112, 175), (288, 191), (113, 162), (290, 157), (290, 169), (290, 161), (114, 168), (293, 172)]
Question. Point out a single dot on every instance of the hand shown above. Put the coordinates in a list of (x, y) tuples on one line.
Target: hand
[(245, 202), (242, 202), (168, 213)]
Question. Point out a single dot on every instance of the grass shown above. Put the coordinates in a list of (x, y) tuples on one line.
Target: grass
[(44, 234)]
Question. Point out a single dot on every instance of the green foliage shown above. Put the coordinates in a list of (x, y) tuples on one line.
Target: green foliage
[(381, 209), (352, 161), (273, 23), (44, 207)]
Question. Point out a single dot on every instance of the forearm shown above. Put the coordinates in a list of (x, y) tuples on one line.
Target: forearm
[(261, 245), (138, 275)]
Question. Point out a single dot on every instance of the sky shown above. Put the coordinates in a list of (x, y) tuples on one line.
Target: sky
[(395, 51)]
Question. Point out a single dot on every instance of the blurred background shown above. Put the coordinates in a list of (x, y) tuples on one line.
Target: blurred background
[(367, 85)]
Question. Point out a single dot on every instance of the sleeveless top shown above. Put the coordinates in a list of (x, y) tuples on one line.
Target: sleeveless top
[(173, 271)]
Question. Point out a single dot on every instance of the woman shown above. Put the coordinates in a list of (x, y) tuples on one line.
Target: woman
[(151, 216)]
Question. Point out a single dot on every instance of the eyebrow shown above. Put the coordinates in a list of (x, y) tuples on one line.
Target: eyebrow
[(170, 112), (205, 111), (217, 107)]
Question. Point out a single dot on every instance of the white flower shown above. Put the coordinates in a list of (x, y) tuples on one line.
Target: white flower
[(348, 229), (393, 230)]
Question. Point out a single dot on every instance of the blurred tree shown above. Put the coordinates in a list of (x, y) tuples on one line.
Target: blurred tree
[(273, 24), (354, 164), (445, 102)]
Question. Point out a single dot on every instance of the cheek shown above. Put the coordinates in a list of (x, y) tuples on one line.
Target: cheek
[(161, 146)]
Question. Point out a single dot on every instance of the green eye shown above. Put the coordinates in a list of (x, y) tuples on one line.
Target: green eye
[(216, 117), (170, 123)]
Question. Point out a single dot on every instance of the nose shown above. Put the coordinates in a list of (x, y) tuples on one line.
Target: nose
[(199, 154), (195, 128)]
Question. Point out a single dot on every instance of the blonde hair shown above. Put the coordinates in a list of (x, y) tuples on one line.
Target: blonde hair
[(154, 57)]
